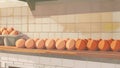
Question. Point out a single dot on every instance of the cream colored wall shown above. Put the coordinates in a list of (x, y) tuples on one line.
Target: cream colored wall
[(49, 21)]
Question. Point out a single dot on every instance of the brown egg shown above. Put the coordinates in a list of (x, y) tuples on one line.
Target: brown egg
[(45, 39), (110, 40), (10, 29), (50, 44), (36, 39), (104, 45), (20, 43), (92, 45), (60, 44), (66, 39), (76, 39), (30, 43), (0, 33), (56, 39), (115, 45), (81, 44), (5, 32), (70, 44), (3, 28), (14, 32), (40, 44)]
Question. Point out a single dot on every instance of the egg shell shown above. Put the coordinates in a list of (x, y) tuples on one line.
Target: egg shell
[(30, 43), (70, 44), (115, 45), (20, 43), (104, 45), (10, 29), (36, 39), (14, 32), (40, 44), (50, 44), (92, 45), (3, 28), (81, 44), (60, 44), (5, 32)]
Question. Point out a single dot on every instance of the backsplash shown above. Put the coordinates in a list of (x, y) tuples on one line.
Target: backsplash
[(79, 25)]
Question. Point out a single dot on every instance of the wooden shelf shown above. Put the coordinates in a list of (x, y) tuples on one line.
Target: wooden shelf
[(96, 54)]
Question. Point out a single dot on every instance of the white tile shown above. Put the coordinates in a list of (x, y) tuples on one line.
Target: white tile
[(24, 28), (80, 64), (17, 11), (45, 60), (60, 28), (51, 35), (58, 35), (18, 27), (38, 27), (53, 27), (56, 61), (68, 62), (17, 19), (46, 28), (93, 64), (44, 35), (18, 63), (4, 58), (116, 35), (70, 35), (107, 65), (31, 27), (36, 35), (31, 35), (95, 35)]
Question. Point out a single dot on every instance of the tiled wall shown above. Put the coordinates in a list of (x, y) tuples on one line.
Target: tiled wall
[(47, 21)]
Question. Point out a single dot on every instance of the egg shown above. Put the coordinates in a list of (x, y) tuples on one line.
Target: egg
[(60, 44), (0, 33), (10, 29), (115, 45), (56, 39), (30, 43), (81, 44), (104, 45), (92, 45), (14, 32), (20, 43), (5, 32), (110, 40), (40, 44), (3, 28), (66, 39), (50, 44), (36, 39), (70, 44)]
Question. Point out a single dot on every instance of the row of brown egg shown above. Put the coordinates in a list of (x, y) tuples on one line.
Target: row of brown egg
[(70, 44)]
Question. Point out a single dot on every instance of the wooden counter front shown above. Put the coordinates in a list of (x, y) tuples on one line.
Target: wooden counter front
[(86, 53)]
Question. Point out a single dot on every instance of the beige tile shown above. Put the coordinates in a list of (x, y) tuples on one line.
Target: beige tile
[(18, 11), (95, 27), (83, 27), (83, 18), (107, 27), (106, 17), (95, 17), (4, 11), (116, 26), (53, 27), (70, 28)]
